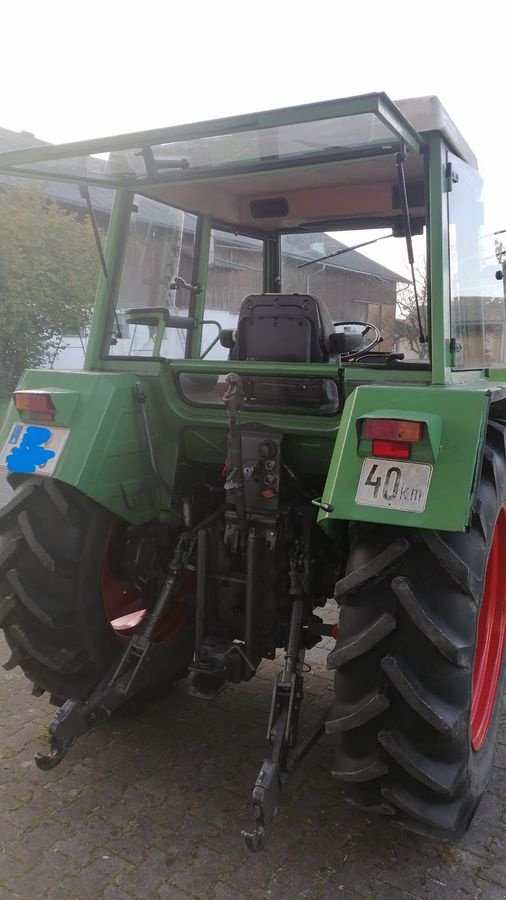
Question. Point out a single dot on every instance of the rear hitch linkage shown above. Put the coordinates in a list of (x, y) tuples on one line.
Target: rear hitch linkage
[(128, 675), (131, 670), (282, 732)]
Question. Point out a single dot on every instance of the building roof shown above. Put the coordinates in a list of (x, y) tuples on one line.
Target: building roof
[(61, 192), (18, 140), (309, 246)]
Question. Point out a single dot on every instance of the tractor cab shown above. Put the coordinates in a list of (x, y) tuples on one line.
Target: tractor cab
[(294, 389), (340, 201)]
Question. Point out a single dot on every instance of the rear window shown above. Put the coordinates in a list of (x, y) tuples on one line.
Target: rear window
[(267, 393)]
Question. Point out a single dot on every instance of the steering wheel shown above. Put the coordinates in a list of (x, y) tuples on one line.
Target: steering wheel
[(367, 326)]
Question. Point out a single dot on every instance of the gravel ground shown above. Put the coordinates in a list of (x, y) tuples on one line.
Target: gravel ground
[(153, 807)]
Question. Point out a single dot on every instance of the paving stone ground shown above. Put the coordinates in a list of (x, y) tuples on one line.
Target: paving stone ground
[(153, 807)]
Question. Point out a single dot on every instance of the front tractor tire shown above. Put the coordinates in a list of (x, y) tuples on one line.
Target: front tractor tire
[(65, 608), (419, 662)]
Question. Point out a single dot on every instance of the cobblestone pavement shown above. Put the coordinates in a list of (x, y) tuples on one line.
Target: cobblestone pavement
[(153, 807)]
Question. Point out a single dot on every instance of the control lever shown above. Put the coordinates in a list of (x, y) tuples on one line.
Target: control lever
[(233, 398)]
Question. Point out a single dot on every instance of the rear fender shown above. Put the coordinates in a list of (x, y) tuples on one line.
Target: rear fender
[(104, 452), (455, 421)]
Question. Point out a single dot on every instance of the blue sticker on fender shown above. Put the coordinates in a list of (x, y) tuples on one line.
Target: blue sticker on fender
[(33, 448), (31, 452)]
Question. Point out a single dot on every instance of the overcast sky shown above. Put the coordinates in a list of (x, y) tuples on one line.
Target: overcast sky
[(72, 70)]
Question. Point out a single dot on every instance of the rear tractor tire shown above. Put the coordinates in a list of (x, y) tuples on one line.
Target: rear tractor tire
[(419, 662), (68, 601)]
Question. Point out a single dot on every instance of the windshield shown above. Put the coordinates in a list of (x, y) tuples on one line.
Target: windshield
[(371, 284)]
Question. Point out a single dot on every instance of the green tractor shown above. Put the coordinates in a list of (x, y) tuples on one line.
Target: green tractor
[(256, 431)]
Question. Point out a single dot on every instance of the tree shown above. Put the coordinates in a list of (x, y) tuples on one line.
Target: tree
[(405, 333), (48, 273)]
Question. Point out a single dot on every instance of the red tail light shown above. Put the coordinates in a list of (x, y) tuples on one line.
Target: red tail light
[(38, 403), (392, 449), (393, 430)]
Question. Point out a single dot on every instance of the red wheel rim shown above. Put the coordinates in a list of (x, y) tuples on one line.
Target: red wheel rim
[(125, 604), (490, 637)]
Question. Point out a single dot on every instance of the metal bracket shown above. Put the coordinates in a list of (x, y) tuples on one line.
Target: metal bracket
[(452, 177)]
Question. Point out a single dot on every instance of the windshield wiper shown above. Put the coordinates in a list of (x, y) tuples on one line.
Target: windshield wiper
[(343, 250), (401, 180)]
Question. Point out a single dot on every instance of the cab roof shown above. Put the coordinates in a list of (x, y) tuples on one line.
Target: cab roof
[(284, 169)]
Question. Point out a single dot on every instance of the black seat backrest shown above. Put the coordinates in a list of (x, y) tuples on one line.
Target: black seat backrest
[(283, 328)]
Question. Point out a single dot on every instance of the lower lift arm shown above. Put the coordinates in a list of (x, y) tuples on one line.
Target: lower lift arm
[(282, 733)]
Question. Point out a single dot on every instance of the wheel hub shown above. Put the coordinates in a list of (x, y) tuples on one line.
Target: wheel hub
[(126, 600)]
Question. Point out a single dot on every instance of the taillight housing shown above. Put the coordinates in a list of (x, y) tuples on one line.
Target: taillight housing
[(393, 430), (38, 404), (392, 438)]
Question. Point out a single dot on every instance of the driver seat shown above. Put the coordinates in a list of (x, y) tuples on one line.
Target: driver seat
[(283, 328), (292, 328)]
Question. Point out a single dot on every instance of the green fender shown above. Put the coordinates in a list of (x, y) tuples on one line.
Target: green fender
[(106, 454), (455, 419)]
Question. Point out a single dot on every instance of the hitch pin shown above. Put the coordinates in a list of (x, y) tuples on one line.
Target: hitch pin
[(326, 507)]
